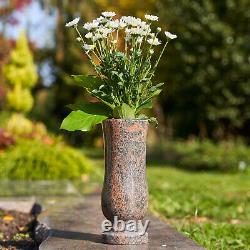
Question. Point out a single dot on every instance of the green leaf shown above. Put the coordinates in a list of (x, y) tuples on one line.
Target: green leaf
[(124, 112), (155, 90), (92, 84), (92, 108), (79, 120), (155, 93), (88, 82), (146, 105), (157, 86), (142, 117)]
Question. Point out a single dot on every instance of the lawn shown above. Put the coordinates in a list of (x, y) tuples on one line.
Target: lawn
[(213, 209)]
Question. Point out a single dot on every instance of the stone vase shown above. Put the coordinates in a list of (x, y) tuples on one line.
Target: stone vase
[(125, 191)]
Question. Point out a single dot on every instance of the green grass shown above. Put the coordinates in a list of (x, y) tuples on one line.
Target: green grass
[(213, 209)]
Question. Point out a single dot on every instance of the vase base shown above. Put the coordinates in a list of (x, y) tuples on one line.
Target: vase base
[(125, 238)]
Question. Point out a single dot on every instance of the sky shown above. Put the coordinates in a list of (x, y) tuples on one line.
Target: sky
[(40, 24)]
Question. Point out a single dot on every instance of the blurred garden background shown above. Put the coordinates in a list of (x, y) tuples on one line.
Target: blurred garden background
[(198, 157)]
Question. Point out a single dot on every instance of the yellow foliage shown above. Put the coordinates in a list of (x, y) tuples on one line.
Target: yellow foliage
[(20, 99), (21, 75), (19, 125), (21, 69)]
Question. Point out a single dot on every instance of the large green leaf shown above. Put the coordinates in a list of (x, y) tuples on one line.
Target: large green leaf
[(92, 108), (79, 120), (124, 111)]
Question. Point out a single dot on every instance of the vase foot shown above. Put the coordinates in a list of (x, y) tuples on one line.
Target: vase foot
[(125, 238)]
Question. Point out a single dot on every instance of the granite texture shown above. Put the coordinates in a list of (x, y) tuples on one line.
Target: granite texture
[(125, 191), (75, 223)]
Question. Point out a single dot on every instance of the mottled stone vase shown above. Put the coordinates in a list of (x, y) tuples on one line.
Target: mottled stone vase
[(125, 191)]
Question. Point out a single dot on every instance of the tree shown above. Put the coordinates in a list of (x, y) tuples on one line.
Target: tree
[(207, 70), (21, 76)]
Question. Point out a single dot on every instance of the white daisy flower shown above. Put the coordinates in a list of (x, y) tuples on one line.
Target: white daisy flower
[(97, 37), (139, 39), (100, 20), (138, 31), (127, 30), (127, 37), (152, 35), (122, 24), (170, 35), (113, 24), (73, 23), (90, 26), (151, 17), (143, 24), (108, 14), (154, 41), (89, 35), (159, 29), (88, 47), (130, 20), (105, 30)]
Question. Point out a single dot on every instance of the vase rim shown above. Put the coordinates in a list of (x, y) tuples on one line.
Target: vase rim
[(124, 119)]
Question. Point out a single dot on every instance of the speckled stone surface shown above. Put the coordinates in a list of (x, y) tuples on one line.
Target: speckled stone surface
[(124, 238), (75, 224), (125, 191)]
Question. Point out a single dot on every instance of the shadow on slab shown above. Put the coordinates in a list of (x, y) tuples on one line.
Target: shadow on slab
[(97, 238)]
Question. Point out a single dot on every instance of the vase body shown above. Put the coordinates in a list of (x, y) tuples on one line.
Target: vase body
[(125, 191)]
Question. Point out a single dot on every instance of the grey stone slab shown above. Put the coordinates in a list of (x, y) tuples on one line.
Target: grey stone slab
[(23, 204), (75, 223), (9, 188)]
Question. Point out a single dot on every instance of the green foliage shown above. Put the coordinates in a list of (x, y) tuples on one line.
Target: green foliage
[(120, 51), (124, 111), (21, 74), (86, 115), (19, 125), (92, 108), (205, 155), (212, 209), (35, 160), (209, 80), (79, 120), (4, 117), (20, 99)]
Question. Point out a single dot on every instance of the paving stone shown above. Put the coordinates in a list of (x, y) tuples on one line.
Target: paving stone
[(9, 188), (20, 204), (75, 223)]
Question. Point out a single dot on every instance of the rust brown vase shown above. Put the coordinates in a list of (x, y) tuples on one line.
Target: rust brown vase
[(125, 191)]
